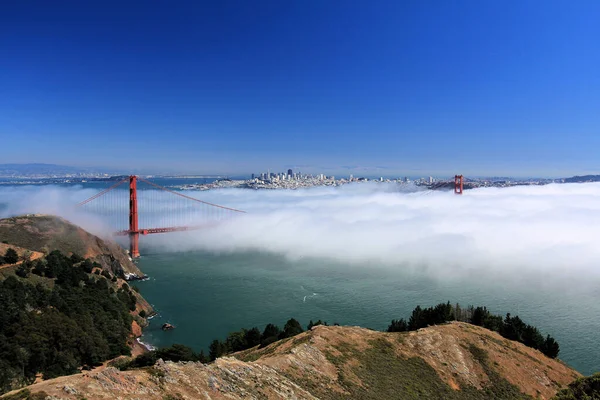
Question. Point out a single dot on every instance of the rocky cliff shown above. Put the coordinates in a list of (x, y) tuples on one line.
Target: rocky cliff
[(452, 361)]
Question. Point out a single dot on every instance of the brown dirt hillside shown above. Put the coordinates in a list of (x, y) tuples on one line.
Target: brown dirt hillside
[(33, 255), (44, 233), (452, 361)]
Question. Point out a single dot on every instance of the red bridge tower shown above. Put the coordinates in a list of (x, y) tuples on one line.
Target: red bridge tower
[(134, 233), (458, 184)]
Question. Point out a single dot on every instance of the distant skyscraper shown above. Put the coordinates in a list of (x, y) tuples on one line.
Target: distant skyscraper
[(252, 176), (290, 173)]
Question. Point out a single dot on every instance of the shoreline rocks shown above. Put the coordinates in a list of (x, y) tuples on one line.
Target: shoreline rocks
[(167, 327)]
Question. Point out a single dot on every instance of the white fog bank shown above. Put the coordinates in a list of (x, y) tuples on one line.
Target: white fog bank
[(551, 229)]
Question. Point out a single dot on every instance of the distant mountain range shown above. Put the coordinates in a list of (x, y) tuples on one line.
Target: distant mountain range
[(40, 170), (583, 178)]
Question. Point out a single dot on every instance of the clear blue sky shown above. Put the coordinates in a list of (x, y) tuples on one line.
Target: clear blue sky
[(407, 87)]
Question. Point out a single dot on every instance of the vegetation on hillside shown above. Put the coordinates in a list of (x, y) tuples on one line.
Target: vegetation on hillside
[(587, 388), (76, 319), (247, 338), (44, 233), (10, 257), (512, 328), (236, 341), (384, 375)]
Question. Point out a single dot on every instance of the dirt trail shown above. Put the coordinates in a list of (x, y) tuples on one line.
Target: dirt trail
[(34, 255)]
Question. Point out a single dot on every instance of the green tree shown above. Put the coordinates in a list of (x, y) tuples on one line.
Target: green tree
[(23, 270), (11, 256), (479, 315), (76, 258), (87, 266), (39, 267), (416, 319), (177, 352), (252, 337), (270, 334), (311, 324), (292, 328), (216, 349), (270, 331), (551, 348), (236, 341), (398, 325)]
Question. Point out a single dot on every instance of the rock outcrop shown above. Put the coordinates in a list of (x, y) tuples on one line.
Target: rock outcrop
[(167, 327)]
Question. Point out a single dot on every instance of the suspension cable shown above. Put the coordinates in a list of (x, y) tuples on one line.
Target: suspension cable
[(188, 197), (102, 192)]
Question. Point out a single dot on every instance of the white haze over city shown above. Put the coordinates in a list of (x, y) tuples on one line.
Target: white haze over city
[(547, 231)]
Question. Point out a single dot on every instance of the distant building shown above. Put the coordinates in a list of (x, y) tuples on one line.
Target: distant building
[(290, 173), (252, 176)]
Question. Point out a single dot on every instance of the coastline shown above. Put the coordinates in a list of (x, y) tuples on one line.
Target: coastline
[(145, 347)]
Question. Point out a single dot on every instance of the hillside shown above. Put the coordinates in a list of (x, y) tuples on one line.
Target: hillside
[(61, 311), (451, 361), (44, 233)]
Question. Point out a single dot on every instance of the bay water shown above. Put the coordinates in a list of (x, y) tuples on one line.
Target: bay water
[(207, 295)]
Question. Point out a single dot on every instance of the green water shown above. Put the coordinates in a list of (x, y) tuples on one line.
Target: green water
[(208, 295)]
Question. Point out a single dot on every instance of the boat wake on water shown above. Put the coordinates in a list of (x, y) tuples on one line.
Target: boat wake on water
[(308, 296)]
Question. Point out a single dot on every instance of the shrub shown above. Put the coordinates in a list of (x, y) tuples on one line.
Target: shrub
[(11, 256), (583, 388)]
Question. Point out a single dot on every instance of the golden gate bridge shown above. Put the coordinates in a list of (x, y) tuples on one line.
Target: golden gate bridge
[(147, 201)]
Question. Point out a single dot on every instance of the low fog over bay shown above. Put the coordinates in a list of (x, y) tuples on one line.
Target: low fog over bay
[(546, 231)]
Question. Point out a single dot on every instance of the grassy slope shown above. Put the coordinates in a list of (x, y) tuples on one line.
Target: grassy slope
[(343, 363)]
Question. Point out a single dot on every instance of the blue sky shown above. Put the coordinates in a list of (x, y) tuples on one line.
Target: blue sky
[(393, 87)]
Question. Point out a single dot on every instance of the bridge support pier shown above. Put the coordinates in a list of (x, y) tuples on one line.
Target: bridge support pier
[(134, 234), (134, 240)]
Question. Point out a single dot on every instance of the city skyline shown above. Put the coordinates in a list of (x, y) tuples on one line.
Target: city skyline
[(479, 89)]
